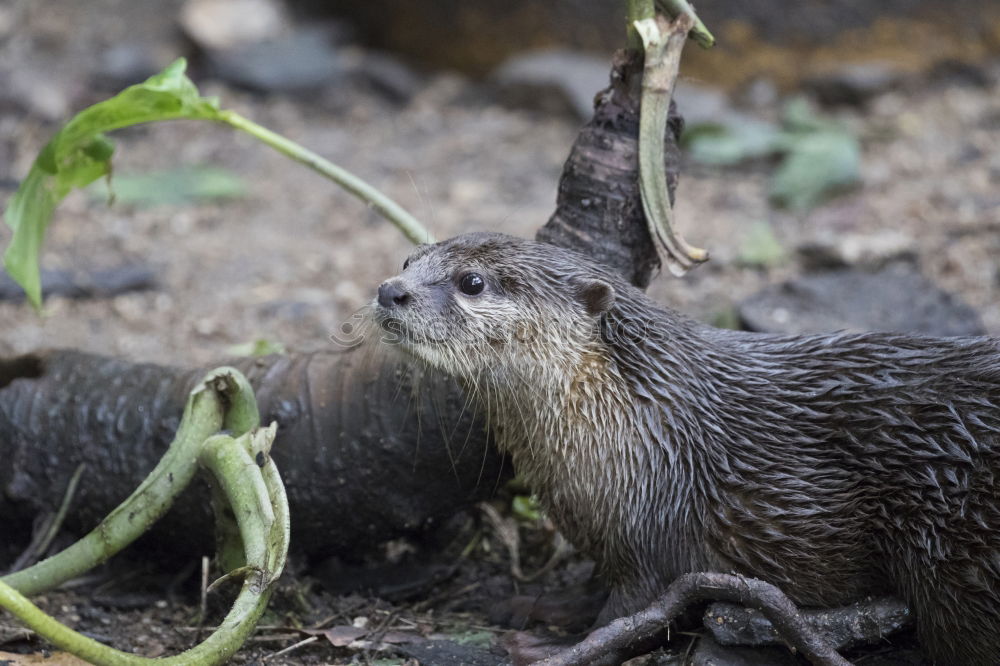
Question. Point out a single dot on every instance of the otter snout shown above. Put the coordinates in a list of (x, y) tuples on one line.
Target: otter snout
[(391, 295)]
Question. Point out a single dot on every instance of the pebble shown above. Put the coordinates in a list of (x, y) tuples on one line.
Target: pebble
[(854, 84), (870, 251), (554, 80), (226, 24)]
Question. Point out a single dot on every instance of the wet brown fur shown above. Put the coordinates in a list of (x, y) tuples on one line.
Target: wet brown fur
[(834, 466)]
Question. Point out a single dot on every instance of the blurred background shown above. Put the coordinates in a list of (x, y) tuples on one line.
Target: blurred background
[(842, 159)]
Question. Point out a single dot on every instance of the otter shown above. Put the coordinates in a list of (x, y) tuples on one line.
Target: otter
[(833, 466)]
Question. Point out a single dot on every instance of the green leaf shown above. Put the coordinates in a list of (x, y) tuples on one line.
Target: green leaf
[(174, 186), (761, 248), (258, 347), (800, 116), (817, 165), (79, 154), (729, 144), (526, 508)]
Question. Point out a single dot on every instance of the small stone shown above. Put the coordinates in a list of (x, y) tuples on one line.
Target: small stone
[(871, 251), (855, 84), (761, 93), (125, 64), (36, 93), (701, 104), (388, 76), (952, 71), (206, 326), (552, 80), (226, 24), (298, 62)]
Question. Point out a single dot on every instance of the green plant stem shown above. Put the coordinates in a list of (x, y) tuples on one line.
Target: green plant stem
[(636, 10), (639, 10), (204, 415), (699, 32), (663, 43), (258, 500), (395, 213)]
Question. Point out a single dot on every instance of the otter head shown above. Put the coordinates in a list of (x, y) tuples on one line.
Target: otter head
[(487, 303)]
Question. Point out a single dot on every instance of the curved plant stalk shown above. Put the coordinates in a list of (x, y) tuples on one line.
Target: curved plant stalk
[(699, 31), (249, 480), (245, 477), (637, 10), (223, 400), (80, 153), (663, 43)]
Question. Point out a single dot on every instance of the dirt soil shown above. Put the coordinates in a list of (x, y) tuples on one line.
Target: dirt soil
[(295, 256)]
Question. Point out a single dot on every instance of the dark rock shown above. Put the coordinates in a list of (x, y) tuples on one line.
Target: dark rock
[(101, 283), (565, 81), (301, 61), (897, 298), (125, 64), (254, 44), (951, 71), (387, 75), (853, 85), (710, 653), (552, 80)]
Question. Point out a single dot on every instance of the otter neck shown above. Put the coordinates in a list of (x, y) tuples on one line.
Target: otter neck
[(600, 456)]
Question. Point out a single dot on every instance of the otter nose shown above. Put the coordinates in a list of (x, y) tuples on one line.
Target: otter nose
[(391, 295)]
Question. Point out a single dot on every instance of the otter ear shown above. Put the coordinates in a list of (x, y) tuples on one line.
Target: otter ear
[(597, 296)]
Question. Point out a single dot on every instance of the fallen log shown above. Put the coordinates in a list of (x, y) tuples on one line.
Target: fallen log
[(381, 448)]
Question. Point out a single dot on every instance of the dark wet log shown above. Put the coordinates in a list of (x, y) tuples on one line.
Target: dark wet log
[(599, 210), (364, 454)]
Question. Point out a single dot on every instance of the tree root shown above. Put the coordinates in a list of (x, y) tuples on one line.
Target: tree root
[(861, 623), (618, 640)]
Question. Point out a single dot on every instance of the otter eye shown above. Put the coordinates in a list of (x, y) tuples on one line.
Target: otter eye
[(472, 284)]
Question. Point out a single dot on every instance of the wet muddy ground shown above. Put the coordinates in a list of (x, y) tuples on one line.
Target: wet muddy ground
[(294, 256)]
